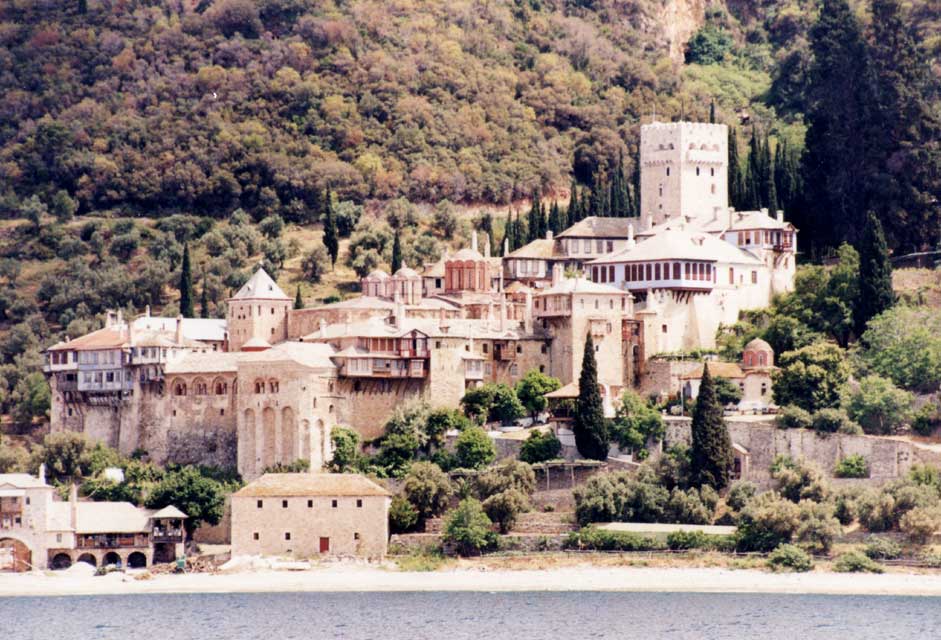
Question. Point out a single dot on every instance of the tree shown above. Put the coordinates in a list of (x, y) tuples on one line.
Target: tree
[(836, 162), (298, 300), (199, 497), (204, 299), (31, 399), (186, 286), (533, 387), (875, 275), (591, 431), (540, 447), (811, 377), (428, 489), (727, 392), (711, 451), (34, 209), (474, 449), (345, 449), (65, 455), (904, 345), (877, 404), (504, 508), (397, 251), (476, 403), (469, 528), (736, 180), (330, 239), (314, 263), (403, 516), (635, 423), (62, 206)]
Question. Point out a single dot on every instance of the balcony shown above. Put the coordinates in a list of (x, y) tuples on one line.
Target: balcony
[(682, 284), (504, 353), (382, 368), (173, 536)]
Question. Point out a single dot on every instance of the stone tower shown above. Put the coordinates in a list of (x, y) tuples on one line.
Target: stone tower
[(683, 171), (258, 313)]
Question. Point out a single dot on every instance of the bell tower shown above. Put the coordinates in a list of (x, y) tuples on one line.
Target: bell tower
[(259, 312)]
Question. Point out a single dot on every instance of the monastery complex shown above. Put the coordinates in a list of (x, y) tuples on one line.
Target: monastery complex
[(268, 383)]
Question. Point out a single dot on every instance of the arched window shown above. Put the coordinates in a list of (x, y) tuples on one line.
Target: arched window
[(200, 386), (761, 359), (259, 386), (179, 388), (220, 387), (273, 386)]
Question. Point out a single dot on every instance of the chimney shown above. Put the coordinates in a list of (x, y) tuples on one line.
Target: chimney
[(147, 311), (528, 313), (120, 321), (474, 240), (73, 506), (558, 272), (42, 473), (487, 246), (549, 234), (109, 319), (506, 246), (178, 338), (323, 327), (130, 333), (502, 324), (399, 310), (779, 214), (764, 210), (630, 236)]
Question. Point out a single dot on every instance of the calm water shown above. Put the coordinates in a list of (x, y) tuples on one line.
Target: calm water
[(476, 616)]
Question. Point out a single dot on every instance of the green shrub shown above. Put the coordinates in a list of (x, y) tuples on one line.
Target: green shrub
[(474, 449), (740, 493), (682, 540), (924, 474), (831, 421), (504, 508), (920, 523), (403, 516), (428, 489), (856, 562), (926, 420), (789, 557), (799, 480), (844, 507), (601, 540), (818, 528), (469, 529), (766, 522), (509, 474), (879, 548), (794, 417), (540, 446), (852, 466)]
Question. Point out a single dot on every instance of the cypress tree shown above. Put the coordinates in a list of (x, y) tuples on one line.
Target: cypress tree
[(590, 428), (712, 112), (204, 299), (711, 451), (555, 221), (572, 211), (875, 275), (298, 300), (82, 7), (396, 252), (735, 171), (754, 177), (186, 285), (770, 191), (836, 159), (331, 239)]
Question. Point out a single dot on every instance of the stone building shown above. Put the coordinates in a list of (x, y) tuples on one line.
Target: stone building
[(38, 531), (752, 375), (302, 515)]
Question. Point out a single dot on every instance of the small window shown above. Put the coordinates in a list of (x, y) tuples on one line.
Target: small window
[(663, 328), (174, 413), (334, 504), (27, 500), (260, 504), (485, 347), (359, 504), (519, 349), (310, 504), (697, 171), (58, 537), (437, 344), (221, 412), (542, 349), (287, 535), (284, 504), (356, 536), (255, 536)]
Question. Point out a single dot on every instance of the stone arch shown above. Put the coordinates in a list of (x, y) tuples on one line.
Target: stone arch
[(268, 437), (179, 387), (305, 440), (289, 448), (136, 560), (247, 442), (60, 560), (16, 554), (273, 385), (200, 387), (111, 557), (259, 385), (88, 558), (220, 387)]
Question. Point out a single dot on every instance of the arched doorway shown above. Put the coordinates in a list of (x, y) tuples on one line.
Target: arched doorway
[(111, 558), (88, 558), (15, 555), (136, 560), (60, 561)]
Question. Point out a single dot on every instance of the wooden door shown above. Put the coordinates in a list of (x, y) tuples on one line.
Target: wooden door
[(324, 545)]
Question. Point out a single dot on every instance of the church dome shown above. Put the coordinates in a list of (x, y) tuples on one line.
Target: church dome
[(377, 274), (406, 272), (758, 345)]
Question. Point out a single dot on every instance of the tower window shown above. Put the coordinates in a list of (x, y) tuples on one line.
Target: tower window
[(712, 172), (697, 171), (668, 170)]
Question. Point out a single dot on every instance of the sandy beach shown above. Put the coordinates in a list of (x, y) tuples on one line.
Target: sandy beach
[(578, 578)]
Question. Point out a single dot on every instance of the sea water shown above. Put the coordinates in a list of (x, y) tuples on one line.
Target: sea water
[(472, 616)]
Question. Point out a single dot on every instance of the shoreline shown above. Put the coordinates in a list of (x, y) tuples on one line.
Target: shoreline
[(353, 579)]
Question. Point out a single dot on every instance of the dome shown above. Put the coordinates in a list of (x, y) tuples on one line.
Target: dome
[(467, 254), (758, 345), (406, 272), (377, 274)]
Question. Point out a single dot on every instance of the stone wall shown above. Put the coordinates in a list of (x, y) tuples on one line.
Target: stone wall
[(664, 376), (888, 458)]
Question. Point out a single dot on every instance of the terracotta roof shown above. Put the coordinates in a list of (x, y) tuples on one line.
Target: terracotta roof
[(22, 481), (202, 329), (598, 227), (758, 344), (111, 517), (210, 362), (716, 370), (567, 391), (311, 484), (745, 220), (260, 287), (542, 249), (168, 512), (466, 254), (308, 354), (108, 338)]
